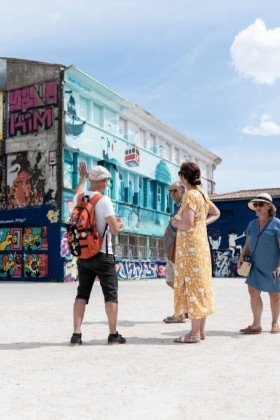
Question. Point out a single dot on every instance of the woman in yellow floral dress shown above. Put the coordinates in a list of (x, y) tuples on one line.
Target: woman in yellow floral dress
[(193, 274)]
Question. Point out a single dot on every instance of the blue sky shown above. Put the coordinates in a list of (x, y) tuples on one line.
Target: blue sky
[(209, 68)]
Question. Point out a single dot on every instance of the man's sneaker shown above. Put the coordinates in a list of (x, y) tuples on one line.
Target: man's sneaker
[(76, 339), (116, 339)]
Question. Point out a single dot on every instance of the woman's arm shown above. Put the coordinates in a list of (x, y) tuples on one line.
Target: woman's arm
[(213, 213), (187, 221)]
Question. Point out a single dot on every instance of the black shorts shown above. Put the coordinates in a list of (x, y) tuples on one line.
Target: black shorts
[(100, 265)]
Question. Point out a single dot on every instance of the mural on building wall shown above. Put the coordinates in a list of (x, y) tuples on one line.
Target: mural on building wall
[(31, 109), (19, 247), (70, 262), (74, 126), (28, 180), (103, 145), (127, 269), (224, 261), (136, 270), (2, 201), (1, 115), (132, 156)]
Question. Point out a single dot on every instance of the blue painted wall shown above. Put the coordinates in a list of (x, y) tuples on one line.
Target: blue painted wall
[(227, 235)]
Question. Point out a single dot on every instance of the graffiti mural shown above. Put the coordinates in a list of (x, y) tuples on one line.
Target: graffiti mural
[(1, 115), (136, 270), (18, 252), (224, 263), (70, 270), (32, 108), (10, 266), (74, 126), (36, 265), (29, 180)]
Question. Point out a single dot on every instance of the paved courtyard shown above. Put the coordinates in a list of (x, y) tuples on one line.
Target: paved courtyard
[(229, 376)]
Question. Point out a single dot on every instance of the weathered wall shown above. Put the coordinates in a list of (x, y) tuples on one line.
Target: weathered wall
[(31, 165)]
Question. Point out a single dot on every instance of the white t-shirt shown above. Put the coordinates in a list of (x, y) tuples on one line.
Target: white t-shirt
[(103, 208)]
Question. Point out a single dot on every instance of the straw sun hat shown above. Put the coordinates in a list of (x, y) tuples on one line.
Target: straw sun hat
[(264, 198)]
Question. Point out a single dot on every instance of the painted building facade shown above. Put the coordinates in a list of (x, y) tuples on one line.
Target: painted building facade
[(51, 118), (228, 234)]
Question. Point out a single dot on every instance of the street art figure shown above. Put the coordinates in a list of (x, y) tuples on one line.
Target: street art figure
[(32, 266), (26, 183), (30, 240), (9, 240), (232, 238), (74, 126), (215, 238), (7, 264)]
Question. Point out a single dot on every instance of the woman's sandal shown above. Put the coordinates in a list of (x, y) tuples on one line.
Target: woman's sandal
[(187, 339), (275, 329), (173, 320)]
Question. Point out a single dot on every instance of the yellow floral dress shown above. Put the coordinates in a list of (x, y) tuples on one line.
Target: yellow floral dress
[(193, 274)]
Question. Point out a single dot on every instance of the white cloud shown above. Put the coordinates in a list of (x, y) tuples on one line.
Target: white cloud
[(266, 127), (255, 53)]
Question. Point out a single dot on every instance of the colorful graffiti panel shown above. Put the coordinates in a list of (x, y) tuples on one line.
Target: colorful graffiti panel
[(35, 265), (10, 266), (35, 238), (11, 239), (136, 270), (19, 247), (224, 263)]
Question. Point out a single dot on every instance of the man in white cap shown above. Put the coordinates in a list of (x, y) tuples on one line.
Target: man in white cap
[(102, 264)]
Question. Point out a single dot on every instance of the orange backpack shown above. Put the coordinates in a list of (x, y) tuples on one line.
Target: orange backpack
[(83, 239)]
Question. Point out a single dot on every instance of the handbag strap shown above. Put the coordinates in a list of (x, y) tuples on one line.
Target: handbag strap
[(259, 234)]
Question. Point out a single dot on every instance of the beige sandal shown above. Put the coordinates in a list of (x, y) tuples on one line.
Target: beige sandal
[(275, 329), (187, 339)]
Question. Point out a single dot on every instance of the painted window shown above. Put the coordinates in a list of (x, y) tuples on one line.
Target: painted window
[(110, 121), (122, 131), (141, 138), (83, 108), (176, 155), (152, 143), (168, 151), (159, 194), (68, 170), (97, 115)]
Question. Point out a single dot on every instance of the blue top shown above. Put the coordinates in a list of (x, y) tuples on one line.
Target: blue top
[(266, 256)]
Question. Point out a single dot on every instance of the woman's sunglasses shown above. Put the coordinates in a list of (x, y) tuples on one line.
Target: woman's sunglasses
[(173, 191), (260, 204)]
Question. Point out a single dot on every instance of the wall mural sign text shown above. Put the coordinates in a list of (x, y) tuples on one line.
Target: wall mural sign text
[(31, 108)]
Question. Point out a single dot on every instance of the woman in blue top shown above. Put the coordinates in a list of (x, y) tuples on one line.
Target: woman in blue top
[(263, 244)]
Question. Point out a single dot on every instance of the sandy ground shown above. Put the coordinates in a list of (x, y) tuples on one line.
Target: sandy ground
[(229, 376)]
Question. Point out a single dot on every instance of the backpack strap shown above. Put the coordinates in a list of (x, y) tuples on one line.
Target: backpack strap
[(95, 198), (93, 201)]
